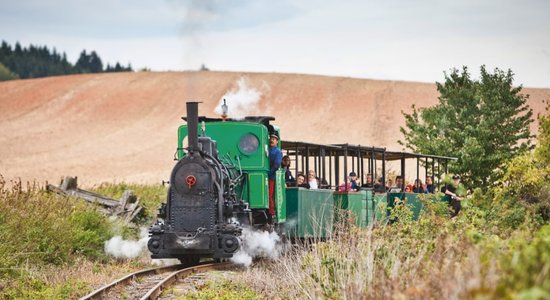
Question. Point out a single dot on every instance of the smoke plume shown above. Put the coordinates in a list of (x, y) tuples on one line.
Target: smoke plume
[(242, 100), (120, 248), (257, 244)]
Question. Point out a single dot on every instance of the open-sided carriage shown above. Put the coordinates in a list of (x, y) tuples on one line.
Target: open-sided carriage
[(311, 213)]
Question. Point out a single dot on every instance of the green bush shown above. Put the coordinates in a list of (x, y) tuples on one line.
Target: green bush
[(526, 266), (89, 232), (149, 196), (39, 228)]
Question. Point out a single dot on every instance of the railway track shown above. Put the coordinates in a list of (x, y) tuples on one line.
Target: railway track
[(149, 283)]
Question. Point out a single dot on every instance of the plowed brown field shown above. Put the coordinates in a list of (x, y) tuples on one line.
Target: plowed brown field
[(122, 127)]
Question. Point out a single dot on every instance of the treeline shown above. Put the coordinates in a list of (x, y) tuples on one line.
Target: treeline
[(39, 61)]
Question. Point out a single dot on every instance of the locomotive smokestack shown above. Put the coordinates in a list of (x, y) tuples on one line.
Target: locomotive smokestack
[(193, 125)]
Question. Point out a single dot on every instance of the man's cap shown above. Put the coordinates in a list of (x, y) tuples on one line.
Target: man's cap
[(456, 177), (352, 174), (274, 135)]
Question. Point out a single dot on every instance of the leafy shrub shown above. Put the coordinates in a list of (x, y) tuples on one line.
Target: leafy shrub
[(149, 196), (40, 228), (526, 266), (89, 232)]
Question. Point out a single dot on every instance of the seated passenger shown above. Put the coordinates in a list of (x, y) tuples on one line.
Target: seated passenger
[(398, 187), (429, 188), (389, 184), (353, 180), (312, 180), (345, 188), (418, 187), (369, 184), (379, 187), (285, 164), (301, 181), (408, 187)]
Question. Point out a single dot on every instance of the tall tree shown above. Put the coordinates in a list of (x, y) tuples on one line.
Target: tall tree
[(82, 64), (37, 61), (95, 64), (483, 122)]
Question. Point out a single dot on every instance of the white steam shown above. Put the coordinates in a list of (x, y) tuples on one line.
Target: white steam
[(165, 262), (257, 244), (243, 100), (121, 248)]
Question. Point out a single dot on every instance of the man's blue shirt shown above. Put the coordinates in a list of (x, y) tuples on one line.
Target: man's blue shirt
[(275, 159)]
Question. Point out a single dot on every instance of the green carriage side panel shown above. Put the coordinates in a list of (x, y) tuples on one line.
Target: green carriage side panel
[(409, 199), (413, 201), (369, 198), (258, 193), (356, 203), (380, 205), (310, 213), (280, 196)]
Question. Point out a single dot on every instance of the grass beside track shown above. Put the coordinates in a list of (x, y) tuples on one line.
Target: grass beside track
[(53, 246)]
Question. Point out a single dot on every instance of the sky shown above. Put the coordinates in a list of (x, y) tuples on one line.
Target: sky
[(395, 39)]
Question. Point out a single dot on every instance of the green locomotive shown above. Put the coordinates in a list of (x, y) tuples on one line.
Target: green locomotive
[(220, 185)]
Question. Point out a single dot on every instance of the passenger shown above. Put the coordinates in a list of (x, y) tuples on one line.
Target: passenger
[(418, 187), (275, 159), (399, 181), (289, 179), (323, 183), (353, 180), (312, 180), (379, 187), (408, 187), (369, 184), (352, 185), (301, 181), (429, 187), (398, 186), (389, 184), (450, 191)]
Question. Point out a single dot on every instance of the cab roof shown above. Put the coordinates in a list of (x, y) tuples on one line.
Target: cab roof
[(254, 119)]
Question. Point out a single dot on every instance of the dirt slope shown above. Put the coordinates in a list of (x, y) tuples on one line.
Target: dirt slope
[(122, 127)]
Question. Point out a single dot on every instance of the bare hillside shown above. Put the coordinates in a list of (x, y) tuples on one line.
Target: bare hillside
[(122, 127)]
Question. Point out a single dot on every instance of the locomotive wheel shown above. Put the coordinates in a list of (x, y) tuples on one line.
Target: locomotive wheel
[(189, 260)]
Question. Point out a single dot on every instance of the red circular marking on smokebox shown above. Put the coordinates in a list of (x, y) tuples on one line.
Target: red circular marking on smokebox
[(190, 180)]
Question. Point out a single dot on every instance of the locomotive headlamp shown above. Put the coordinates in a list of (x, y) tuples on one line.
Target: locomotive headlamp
[(225, 109)]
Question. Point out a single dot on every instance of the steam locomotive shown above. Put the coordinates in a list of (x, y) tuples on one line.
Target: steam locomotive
[(219, 186), (214, 190)]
